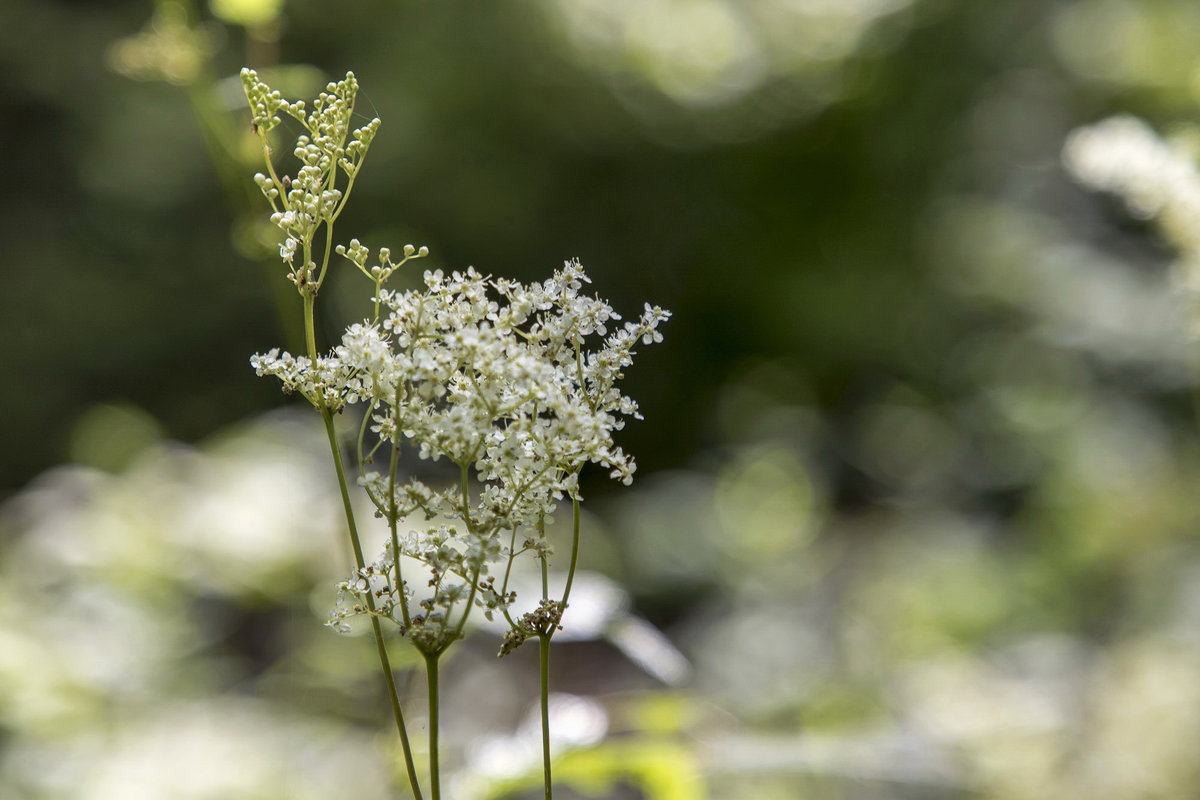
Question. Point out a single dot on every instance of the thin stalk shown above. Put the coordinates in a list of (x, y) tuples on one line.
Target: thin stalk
[(328, 251), (431, 672), (360, 562), (310, 327), (462, 622), (332, 183), (512, 544), (381, 649), (464, 479), (541, 527), (544, 645), (544, 665), (574, 551), (393, 520)]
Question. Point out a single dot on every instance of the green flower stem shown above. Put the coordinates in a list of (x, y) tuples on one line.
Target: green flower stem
[(544, 646), (574, 551), (266, 146), (464, 481), (310, 328), (544, 665), (384, 662), (541, 529), (393, 521), (356, 544), (431, 672)]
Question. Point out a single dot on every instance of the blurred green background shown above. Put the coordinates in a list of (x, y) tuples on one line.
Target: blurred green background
[(916, 513)]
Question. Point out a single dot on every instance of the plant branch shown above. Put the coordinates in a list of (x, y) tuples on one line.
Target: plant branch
[(360, 562), (544, 669)]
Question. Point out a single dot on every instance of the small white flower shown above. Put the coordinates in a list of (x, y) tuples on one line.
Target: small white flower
[(287, 250)]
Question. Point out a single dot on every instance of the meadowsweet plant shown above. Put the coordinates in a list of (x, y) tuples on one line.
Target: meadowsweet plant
[(513, 386)]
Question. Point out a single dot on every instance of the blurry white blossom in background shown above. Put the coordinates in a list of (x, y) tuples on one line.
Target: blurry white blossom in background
[(1157, 180)]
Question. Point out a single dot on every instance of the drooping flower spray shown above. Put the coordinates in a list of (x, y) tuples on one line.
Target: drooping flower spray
[(514, 386)]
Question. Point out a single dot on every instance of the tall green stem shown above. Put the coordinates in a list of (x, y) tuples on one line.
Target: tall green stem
[(431, 672), (544, 664), (310, 329), (544, 645), (360, 562)]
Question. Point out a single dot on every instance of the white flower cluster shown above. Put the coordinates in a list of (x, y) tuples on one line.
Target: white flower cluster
[(514, 383), (1156, 179)]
